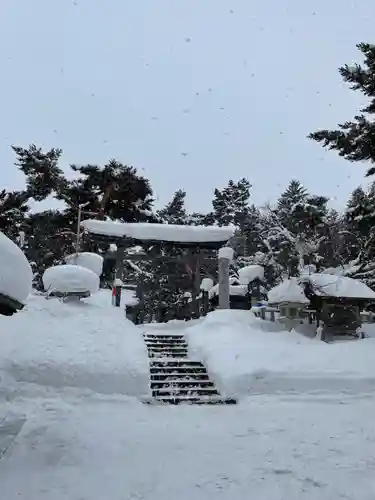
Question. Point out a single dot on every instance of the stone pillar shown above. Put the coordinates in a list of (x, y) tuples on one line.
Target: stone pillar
[(119, 275), (225, 258)]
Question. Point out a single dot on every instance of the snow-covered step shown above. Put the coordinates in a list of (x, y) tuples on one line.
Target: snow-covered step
[(173, 338), (185, 391), (181, 376), (201, 400), (164, 347), (181, 383), (178, 362), (158, 340), (174, 378)]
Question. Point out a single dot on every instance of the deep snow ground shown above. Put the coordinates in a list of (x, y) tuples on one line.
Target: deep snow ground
[(115, 448), (81, 442)]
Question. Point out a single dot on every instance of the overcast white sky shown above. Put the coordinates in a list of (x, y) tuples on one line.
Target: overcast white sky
[(191, 92)]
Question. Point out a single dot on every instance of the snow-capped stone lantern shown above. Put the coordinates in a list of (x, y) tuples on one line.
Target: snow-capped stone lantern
[(15, 277), (252, 276), (225, 258), (206, 285)]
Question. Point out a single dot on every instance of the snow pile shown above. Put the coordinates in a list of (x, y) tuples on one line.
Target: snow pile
[(288, 291), (15, 272), (89, 260), (85, 344), (248, 274), (159, 232), (70, 279), (244, 358), (330, 285)]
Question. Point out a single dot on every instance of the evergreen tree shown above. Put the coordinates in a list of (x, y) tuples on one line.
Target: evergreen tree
[(174, 212), (43, 175), (13, 211), (230, 205), (355, 140), (300, 212), (115, 191)]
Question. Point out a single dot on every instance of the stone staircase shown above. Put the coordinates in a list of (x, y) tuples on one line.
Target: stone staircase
[(174, 378)]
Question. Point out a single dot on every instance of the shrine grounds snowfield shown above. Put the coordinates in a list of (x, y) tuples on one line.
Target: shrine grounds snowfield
[(247, 356), (72, 426), (90, 447)]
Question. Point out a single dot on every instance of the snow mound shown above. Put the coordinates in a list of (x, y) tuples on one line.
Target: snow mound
[(15, 272), (70, 279), (288, 291), (87, 344), (159, 232), (246, 357), (89, 260), (330, 285)]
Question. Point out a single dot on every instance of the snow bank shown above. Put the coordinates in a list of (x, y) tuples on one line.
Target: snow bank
[(15, 272), (244, 358), (86, 344), (89, 260), (70, 279), (159, 232), (288, 291), (330, 285)]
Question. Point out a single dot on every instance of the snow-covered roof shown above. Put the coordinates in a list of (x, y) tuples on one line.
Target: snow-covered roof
[(248, 274), (159, 232), (288, 291), (329, 285), (15, 271)]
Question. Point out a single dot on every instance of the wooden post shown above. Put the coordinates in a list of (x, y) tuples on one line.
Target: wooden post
[(225, 258)]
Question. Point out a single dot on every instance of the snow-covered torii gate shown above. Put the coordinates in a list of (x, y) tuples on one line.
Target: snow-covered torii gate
[(153, 238)]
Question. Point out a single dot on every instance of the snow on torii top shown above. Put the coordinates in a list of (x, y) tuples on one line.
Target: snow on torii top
[(172, 233)]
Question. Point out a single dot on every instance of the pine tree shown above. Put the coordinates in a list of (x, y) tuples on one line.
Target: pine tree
[(300, 212), (43, 175), (355, 140), (174, 212), (231, 203), (13, 211)]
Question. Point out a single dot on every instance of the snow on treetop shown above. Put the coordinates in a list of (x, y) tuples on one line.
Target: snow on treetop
[(288, 291), (329, 285), (15, 271), (159, 232)]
